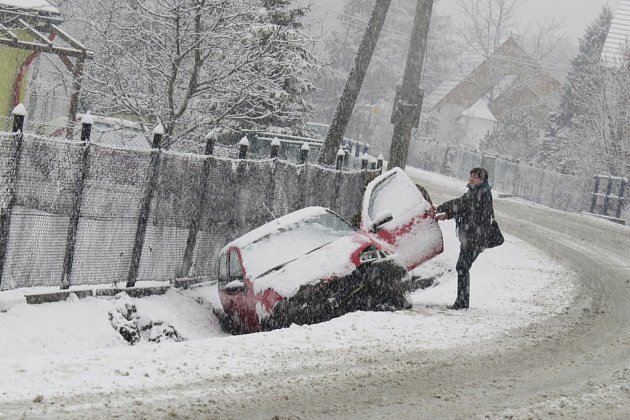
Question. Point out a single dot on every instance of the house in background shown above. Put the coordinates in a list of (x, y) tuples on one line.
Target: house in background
[(482, 89), (618, 40)]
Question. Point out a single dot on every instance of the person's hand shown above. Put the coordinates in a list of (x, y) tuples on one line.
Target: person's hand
[(432, 210)]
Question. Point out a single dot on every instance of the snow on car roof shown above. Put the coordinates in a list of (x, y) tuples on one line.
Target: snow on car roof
[(275, 226)]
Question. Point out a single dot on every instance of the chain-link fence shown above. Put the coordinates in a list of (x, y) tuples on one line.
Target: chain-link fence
[(194, 199), (556, 190)]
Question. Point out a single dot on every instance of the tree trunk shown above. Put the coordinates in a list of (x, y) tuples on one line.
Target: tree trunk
[(343, 112), (408, 103)]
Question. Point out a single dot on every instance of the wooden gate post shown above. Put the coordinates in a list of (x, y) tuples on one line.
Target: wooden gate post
[(19, 114)]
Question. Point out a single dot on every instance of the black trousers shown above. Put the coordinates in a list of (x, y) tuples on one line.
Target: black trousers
[(467, 255)]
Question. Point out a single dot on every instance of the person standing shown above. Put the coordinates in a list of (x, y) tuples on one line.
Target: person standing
[(473, 215)]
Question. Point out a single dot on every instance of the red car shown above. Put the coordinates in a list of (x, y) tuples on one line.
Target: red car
[(311, 265)]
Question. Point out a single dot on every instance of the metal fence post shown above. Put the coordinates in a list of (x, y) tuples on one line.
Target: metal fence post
[(595, 192), (193, 230), (19, 114), (158, 134), (364, 161), (275, 148), (340, 156), (242, 149), (304, 153), (86, 126), (145, 207), (620, 203), (73, 225), (210, 142), (608, 192), (13, 164)]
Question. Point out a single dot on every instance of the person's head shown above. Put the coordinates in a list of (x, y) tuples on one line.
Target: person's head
[(478, 176)]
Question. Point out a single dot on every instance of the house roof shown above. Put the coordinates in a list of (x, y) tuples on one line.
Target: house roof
[(480, 110), (618, 35), (464, 65)]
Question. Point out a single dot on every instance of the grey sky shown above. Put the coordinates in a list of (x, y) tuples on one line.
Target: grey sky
[(577, 14)]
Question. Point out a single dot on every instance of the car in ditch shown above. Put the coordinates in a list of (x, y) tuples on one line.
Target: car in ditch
[(312, 265)]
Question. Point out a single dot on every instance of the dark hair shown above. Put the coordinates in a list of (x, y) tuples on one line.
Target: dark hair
[(481, 173)]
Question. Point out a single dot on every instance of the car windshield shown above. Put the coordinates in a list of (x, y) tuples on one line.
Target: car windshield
[(292, 241)]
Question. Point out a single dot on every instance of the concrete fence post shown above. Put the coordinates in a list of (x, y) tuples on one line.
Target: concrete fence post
[(145, 206), (13, 164), (339, 162), (304, 153), (73, 224), (275, 148), (243, 146), (379, 161)]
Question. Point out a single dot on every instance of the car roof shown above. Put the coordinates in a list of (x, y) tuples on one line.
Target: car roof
[(276, 225)]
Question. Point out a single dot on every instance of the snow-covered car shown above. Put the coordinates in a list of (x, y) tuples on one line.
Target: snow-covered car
[(311, 265)]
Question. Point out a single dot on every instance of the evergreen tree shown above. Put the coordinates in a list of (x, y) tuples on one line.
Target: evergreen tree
[(592, 126), (583, 67), (515, 136)]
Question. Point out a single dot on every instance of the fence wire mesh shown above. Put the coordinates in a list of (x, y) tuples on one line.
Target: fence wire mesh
[(50, 177)]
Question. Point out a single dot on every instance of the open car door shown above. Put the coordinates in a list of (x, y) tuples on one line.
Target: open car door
[(395, 211)]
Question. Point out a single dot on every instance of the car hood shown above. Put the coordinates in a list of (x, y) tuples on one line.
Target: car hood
[(331, 260)]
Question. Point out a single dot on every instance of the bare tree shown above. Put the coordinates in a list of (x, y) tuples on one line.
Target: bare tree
[(197, 63)]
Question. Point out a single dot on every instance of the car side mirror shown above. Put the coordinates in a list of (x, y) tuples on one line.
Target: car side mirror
[(381, 219), (235, 286)]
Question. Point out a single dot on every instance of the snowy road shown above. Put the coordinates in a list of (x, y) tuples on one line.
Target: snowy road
[(545, 336)]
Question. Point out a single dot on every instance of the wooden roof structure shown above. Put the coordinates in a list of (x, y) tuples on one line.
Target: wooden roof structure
[(41, 21), (37, 18)]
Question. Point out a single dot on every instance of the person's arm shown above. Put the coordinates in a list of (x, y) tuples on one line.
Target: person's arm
[(452, 207)]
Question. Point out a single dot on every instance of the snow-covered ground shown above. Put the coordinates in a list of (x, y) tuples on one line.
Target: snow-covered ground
[(58, 349)]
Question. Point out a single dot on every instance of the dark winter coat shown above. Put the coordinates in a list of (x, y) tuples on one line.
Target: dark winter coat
[(473, 214)]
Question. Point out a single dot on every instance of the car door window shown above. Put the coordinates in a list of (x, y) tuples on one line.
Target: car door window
[(235, 271), (223, 271), (398, 195)]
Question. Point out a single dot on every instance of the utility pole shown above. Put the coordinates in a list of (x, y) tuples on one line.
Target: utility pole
[(346, 103), (408, 102)]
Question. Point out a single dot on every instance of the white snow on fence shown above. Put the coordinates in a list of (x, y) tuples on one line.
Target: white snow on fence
[(37, 5)]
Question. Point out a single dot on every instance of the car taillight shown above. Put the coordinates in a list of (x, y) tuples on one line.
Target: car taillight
[(372, 254)]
